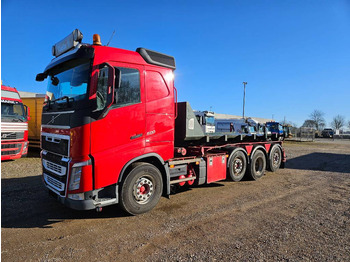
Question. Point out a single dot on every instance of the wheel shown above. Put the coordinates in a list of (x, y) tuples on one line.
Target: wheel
[(275, 158), (257, 166), (142, 189), (237, 166)]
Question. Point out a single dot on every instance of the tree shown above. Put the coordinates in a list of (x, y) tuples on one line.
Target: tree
[(309, 123), (317, 117), (338, 122)]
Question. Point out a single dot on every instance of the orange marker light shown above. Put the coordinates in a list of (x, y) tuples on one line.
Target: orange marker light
[(96, 39)]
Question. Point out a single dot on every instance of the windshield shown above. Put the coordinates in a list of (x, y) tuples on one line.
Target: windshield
[(12, 112), (210, 121), (71, 83), (272, 125)]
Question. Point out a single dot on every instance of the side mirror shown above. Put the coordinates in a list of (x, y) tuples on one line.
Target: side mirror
[(41, 77), (27, 109), (105, 87)]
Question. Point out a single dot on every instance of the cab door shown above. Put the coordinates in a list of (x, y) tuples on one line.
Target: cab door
[(119, 135)]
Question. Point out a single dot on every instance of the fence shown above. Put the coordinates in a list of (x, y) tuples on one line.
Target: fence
[(303, 134)]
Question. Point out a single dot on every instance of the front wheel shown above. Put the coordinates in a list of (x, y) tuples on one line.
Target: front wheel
[(142, 189), (257, 166)]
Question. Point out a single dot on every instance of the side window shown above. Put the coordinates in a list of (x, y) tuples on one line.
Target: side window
[(129, 91), (156, 87)]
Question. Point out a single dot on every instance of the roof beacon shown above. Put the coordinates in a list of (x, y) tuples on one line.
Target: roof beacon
[(96, 39), (68, 43)]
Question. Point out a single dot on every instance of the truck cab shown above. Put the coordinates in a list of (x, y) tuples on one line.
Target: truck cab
[(99, 119), (14, 124), (206, 120)]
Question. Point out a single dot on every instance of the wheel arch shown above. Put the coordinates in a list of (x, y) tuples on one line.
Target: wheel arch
[(259, 147), (234, 150), (153, 159)]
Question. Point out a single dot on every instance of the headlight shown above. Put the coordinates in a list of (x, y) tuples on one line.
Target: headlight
[(76, 174), (74, 182)]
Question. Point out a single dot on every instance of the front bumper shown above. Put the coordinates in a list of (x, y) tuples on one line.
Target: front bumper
[(91, 199), (88, 204)]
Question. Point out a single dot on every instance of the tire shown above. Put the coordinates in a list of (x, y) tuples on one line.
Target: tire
[(141, 189), (257, 166), (275, 158), (237, 166)]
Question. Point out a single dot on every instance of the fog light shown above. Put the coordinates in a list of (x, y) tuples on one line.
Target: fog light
[(79, 196)]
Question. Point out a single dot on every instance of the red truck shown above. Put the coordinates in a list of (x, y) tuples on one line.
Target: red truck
[(113, 132), (14, 124)]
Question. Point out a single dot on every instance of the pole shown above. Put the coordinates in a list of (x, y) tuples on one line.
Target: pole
[(244, 83)]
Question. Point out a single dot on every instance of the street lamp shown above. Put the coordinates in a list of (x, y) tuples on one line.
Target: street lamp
[(244, 83)]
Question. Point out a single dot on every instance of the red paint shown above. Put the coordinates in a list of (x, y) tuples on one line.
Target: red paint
[(249, 148), (182, 183), (216, 167), (267, 147)]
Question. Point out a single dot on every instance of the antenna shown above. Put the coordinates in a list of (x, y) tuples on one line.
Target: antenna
[(111, 38)]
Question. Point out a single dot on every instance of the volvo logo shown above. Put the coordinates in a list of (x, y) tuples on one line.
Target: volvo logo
[(53, 119), (6, 135)]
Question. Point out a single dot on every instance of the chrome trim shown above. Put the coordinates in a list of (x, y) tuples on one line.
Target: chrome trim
[(60, 112), (59, 185), (53, 190), (53, 126), (85, 163), (50, 165), (56, 136)]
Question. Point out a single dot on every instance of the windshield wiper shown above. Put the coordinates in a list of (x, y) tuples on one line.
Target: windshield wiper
[(67, 98)]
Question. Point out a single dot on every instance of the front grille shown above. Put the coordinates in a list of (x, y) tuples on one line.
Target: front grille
[(54, 168), (11, 152), (12, 135), (3, 146), (55, 171), (54, 183), (58, 144), (16, 149)]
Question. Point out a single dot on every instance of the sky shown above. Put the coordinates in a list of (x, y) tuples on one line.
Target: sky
[(294, 54)]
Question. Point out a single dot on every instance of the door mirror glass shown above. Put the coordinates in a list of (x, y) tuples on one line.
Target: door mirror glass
[(105, 87)]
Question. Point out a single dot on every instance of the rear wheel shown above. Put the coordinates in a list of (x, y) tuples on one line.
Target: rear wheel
[(257, 166), (275, 159), (237, 166), (142, 189)]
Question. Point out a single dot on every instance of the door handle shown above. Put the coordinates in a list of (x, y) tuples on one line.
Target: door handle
[(135, 136)]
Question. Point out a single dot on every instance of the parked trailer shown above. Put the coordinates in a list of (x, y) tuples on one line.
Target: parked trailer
[(14, 124), (35, 103), (112, 133)]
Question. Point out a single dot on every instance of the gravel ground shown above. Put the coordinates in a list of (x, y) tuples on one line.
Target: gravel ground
[(300, 213)]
